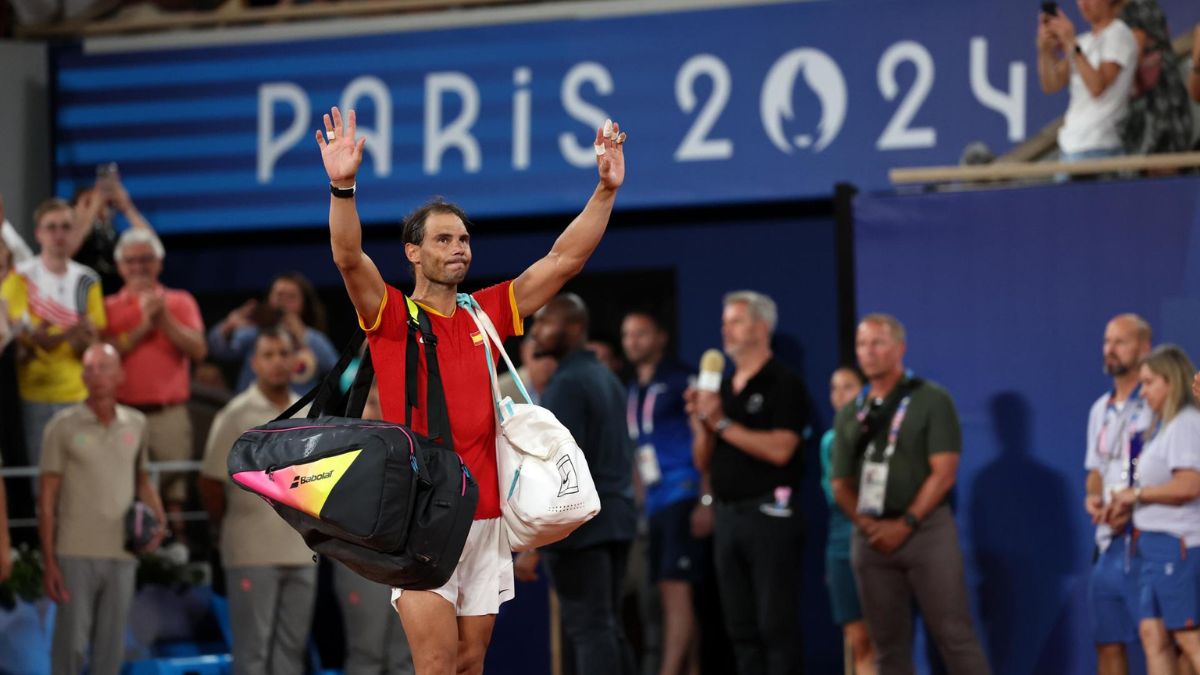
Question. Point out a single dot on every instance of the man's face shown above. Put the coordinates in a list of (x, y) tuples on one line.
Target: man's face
[(444, 256), (550, 334), (274, 361), (641, 339), (53, 233), (102, 372), (1122, 348), (286, 296), (740, 330), (878, 351), (138, 266)]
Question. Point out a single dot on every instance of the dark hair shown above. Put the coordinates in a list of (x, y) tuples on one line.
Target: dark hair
[(653, 318), (313, 312), (49, 206), (275, 332), (414, 223)]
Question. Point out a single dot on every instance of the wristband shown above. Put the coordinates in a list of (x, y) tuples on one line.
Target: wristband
[(722, 424), (910, 519), (342, 193)]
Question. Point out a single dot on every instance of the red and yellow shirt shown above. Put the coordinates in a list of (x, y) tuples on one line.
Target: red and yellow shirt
[(461, 360)]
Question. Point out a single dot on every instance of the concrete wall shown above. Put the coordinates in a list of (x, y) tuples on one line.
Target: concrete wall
[(25, 118)]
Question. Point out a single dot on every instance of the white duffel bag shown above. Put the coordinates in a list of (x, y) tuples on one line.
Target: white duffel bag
[(546, 489)]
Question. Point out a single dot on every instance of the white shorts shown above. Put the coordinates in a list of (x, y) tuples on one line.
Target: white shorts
[(483, 579)]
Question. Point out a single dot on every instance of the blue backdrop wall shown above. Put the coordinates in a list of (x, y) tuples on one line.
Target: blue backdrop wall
[(1005, 294)]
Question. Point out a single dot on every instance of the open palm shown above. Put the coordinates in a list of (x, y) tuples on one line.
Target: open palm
[(612, 163), (342, 154)]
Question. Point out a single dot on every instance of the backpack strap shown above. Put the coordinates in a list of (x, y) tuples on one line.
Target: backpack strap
[(437, 415)]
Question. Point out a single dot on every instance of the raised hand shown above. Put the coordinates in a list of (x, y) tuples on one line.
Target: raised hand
[(341, 153), (610, 154)]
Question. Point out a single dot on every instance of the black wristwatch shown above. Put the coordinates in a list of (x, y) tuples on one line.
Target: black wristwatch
[(910, 519), (342, 193)]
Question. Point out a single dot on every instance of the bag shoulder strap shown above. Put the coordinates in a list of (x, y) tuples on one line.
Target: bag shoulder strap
[(325, 392), (485, 325), (437, 414)]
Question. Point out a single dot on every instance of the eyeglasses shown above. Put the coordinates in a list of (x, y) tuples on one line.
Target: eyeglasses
[(139, 260)]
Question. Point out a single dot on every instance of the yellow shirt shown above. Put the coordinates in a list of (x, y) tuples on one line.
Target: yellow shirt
[(37, 297)]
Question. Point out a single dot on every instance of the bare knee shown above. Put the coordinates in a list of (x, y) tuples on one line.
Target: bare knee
[(859, 639), (1153, 635), (1188, 641), (470, 659)]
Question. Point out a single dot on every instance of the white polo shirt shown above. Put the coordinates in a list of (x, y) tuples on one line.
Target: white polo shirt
[(1110, 426)]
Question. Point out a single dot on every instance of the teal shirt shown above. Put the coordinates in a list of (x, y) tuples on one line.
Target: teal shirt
[(840, 527)]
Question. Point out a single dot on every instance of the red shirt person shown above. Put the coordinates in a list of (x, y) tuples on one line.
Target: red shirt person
[(449, 628), (159, 333)]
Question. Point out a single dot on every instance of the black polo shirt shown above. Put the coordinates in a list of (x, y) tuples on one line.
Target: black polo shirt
[(774, 398)]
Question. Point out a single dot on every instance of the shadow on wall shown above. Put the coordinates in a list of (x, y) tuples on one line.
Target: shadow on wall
[(1025, 547)]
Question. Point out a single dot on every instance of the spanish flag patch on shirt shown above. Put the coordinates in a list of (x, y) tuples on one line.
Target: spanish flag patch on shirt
[(476, 338)]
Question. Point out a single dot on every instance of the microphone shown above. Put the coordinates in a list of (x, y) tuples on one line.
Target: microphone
[(712, 365)]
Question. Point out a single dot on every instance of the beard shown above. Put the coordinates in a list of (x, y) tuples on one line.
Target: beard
[(1116, 368)]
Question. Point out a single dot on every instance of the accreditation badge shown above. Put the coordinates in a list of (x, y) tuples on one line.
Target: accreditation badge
[(647, 464), (872, 486)]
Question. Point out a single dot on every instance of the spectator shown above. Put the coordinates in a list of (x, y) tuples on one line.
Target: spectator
[(1165, 504), (375, 640), (12, 240), (1194, 78), (95, 235), (587, 568), (292, 302), (680, 518), (1099, 66), (92, 452), (607, 354), (1116, 418), (535, 372), (1160, 116), (158, 332), (895, 459), (59, 307), (748, 437), (844, 387), (271, 581)]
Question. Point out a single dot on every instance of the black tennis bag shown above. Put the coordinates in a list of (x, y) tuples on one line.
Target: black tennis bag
[(393, 506)]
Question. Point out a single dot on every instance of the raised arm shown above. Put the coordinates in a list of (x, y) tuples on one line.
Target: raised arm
[(342, 155), (546, 277)]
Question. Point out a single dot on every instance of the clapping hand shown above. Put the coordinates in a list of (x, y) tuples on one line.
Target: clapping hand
[(340, 152)]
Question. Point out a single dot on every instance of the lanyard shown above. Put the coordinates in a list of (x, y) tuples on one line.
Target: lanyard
[(1137, 443), (1109, 448), (631, 410), (894, 427)]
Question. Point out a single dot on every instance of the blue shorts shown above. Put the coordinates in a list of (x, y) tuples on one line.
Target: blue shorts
[(674, 553), (1113, 594), (1170, 580)]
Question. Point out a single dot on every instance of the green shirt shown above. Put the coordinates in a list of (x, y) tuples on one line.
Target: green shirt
[(930, 427)]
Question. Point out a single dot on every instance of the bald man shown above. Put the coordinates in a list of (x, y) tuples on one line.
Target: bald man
[(89, 454), (587, 568), (1115, 418)]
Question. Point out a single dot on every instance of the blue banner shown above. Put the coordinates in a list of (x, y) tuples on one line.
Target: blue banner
[(726, 105)]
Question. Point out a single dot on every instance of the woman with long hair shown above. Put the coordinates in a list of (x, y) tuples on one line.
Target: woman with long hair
[(1164, 501), (292, 304)]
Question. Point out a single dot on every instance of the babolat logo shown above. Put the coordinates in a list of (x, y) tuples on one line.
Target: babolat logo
[(303, 480)]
